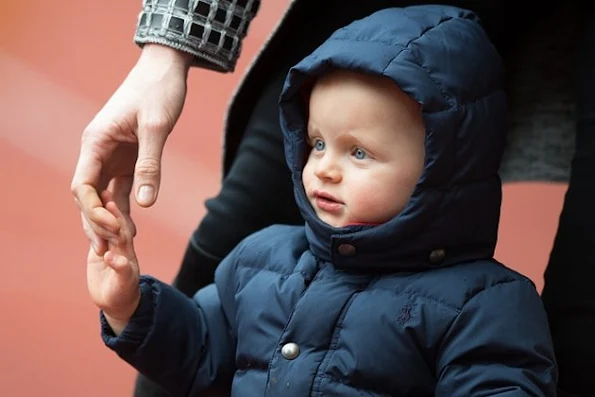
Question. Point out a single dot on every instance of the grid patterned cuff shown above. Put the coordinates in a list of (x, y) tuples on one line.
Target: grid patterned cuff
[(211, 30)]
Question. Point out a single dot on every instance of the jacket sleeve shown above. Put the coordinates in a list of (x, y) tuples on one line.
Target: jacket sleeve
[(499, 345), (211, 30), (184, 345)]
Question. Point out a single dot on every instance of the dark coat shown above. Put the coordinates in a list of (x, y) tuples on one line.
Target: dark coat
[(416, 306)]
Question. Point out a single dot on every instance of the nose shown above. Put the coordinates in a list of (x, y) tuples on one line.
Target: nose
[(328, 168)]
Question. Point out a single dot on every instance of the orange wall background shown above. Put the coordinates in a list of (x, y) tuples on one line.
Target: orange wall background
[(59, 62)]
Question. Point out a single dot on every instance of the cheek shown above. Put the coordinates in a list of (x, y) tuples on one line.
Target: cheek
[(381, 196), (367, 193), (307, 174)]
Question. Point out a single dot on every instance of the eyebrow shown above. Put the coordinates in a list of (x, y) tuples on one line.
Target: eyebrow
[(350, 136), (311, 130)]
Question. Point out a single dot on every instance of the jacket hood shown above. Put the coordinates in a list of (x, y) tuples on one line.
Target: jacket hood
[(442, 58)]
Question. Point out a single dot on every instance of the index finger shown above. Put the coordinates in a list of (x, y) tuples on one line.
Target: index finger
[(87, 175), (85, 190), (99, 218)]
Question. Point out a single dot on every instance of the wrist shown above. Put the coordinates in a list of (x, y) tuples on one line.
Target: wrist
[(167, 54), (118, 321)]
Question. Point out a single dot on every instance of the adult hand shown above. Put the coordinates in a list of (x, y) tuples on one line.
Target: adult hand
[(122, 146)]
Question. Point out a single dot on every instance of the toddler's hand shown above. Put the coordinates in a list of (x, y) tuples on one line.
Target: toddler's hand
[(113, 279)]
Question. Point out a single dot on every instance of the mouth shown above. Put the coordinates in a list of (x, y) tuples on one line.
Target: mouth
[(327, 202)]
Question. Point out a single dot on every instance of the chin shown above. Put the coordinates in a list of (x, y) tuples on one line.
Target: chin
[(332, 222)]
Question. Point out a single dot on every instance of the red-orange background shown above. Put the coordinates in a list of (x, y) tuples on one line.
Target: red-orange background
[(59, 62)]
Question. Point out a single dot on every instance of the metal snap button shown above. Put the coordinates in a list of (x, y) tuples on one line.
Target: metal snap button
[(346, 249), (290, 351), (437, 256)]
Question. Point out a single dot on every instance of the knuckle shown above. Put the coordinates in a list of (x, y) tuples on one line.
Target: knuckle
[(102, 128), (155, 125), (77, 189), (128, 237), (87, 132), (90, 132), (147, 167)]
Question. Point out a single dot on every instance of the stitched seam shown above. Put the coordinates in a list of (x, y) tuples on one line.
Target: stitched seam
[(316, 385), (346, 383), (427, 299), (471, 297), (279, 273), (475, 292), (408, 48), (283, 333)]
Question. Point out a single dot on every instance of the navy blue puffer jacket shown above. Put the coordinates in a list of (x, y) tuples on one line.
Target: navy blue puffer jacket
[(413, 307)]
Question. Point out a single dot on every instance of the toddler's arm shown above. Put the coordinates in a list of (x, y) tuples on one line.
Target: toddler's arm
[(499, 344), (183, 345)]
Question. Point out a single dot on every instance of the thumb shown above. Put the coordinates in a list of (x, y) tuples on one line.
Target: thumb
[(117, 262), (147, 172)]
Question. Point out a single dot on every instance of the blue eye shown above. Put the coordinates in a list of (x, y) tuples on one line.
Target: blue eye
[(319, 145), (359, 154)]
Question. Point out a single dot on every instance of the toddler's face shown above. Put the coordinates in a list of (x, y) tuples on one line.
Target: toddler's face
[(367, 149)]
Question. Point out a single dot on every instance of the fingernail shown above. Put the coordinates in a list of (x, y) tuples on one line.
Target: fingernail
[(145, 193)]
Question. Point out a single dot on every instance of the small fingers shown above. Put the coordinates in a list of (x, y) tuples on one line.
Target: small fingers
[(127, 228), (103, 222), (91, 206), (121, 187), (98, 240)]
